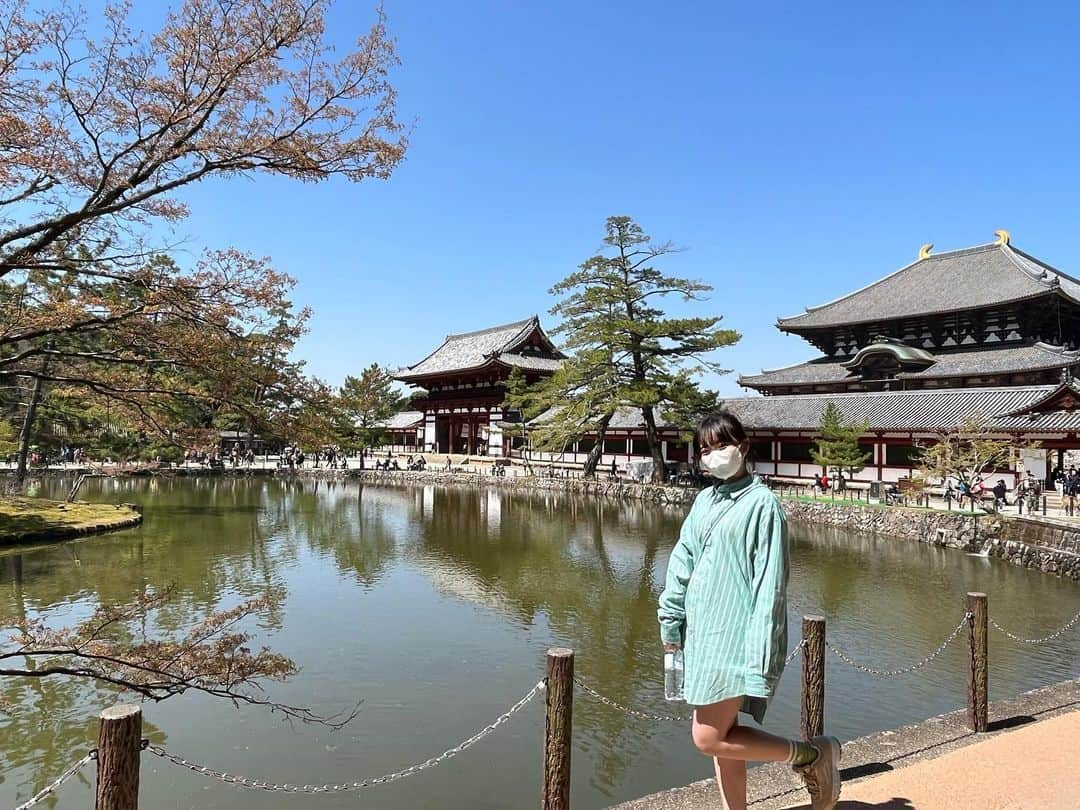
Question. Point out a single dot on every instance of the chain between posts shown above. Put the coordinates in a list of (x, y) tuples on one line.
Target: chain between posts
[(664, 718), (1061, 630), (892, 673), (52, 787), (258, 784)]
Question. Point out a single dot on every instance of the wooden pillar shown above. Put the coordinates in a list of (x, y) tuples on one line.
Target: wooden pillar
[(119, 749), (813, 677), (558, 725), (977, 661)]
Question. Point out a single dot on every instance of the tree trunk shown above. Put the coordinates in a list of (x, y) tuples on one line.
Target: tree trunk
[(598, 449), (659, 474), (26, 433)]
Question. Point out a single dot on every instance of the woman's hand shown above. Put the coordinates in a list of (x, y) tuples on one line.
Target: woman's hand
[(672, 647)]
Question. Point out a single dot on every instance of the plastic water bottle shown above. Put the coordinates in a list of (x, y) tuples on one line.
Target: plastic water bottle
[(673, 675)]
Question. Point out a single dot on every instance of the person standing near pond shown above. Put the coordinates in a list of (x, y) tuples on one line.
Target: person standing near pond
[(725, 599)]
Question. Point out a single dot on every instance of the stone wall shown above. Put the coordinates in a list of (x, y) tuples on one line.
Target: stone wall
[(1037, 544), (927, 526), (604, 489)]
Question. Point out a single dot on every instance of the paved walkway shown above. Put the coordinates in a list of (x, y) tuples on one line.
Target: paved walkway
[(1033, 767), (1028, 760)]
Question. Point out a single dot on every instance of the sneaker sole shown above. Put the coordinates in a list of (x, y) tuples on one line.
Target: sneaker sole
[(837, 754)]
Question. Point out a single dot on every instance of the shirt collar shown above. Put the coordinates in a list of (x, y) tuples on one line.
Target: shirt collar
[(733, 489)]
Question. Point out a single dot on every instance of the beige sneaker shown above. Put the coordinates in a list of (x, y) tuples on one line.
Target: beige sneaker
[(822, 776)]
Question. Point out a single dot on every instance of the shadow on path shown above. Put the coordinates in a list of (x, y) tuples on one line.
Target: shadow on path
[(895, 803)]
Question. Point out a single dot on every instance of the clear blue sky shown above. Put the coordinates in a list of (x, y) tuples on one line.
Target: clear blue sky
[(797, 151)]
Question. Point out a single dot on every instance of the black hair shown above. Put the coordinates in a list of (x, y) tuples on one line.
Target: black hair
[(720, 427)]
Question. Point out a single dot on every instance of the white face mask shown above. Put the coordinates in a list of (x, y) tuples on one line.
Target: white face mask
[(723, 463)]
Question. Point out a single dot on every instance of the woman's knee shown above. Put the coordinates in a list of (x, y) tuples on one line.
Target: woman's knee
[(705, 738), (710, 740)]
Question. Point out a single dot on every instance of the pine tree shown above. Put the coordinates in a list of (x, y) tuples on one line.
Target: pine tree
[(367, 401), (625, 351), (838, 444)]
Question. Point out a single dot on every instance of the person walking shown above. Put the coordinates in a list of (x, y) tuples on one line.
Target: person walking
[(725, 604)]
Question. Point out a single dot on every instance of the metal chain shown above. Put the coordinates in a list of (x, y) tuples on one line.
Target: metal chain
[(1068, 626), (664, 718), (50, 788), (258, 784), (892, 673)]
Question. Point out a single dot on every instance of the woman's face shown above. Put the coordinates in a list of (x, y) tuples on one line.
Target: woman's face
[(723, 444)]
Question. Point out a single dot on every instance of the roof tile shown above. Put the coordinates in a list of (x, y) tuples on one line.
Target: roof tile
[(971, 278)]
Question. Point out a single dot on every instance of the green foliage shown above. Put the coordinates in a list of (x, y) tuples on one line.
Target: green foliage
[(367, 401), (9, 438), (838, 444), (965, 453), (625, 349)]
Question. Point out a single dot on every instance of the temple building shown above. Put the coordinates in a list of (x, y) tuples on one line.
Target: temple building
[(463, 385), (987, 330), (459, 408)]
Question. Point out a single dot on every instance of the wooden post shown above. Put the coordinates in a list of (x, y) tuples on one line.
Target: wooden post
[(119, 750), (1044, 504), (813, 677), (557, 739), (977, 661)]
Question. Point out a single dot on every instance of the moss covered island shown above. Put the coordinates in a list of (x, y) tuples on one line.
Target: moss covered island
[(25, 520)]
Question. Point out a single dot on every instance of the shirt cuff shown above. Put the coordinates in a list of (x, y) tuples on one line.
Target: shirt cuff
[(757, 685), (671, 633)]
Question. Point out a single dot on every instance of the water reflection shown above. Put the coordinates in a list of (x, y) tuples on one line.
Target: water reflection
[(434, 605)]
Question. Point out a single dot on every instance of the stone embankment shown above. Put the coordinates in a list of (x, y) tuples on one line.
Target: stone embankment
[(1049, 546), (621, 490)]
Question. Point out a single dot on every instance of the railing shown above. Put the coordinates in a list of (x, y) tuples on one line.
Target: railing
[(120, 740)]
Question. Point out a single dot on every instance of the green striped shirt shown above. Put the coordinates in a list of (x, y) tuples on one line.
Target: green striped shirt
[(725, 597)]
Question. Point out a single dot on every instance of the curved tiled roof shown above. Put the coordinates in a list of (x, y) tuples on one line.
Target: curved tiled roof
[(972, 278), (529, 361), (1034, 357), (403, 420), (473, 350), (624, 418), (916, 411)]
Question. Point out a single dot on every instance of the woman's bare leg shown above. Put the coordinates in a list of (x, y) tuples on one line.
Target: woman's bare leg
[(731, 777), (717, 734)]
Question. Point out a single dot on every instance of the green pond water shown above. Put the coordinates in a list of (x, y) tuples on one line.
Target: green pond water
[(434, 607)]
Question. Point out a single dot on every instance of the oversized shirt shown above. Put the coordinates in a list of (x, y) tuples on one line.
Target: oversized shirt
[(725, 598)]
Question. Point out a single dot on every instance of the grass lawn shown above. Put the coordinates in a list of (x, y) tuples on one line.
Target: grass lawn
[(28, 519)]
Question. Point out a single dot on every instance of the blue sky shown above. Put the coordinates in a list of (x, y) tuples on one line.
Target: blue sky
[(797, 151)]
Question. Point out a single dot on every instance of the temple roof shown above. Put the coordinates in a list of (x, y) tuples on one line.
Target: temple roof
[(624, 418), (981, 362), (473, 350), (972, 278), (1006, 409), (403, 420)]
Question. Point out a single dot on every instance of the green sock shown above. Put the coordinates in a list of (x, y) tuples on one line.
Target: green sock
[(802, 753)]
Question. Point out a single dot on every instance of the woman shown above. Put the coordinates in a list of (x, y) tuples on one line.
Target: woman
[(725, 599)]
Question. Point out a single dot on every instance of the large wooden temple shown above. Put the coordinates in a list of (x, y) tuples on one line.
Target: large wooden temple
[(987, 330)]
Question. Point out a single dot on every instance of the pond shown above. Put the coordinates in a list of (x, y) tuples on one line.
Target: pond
[(433, 607)]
